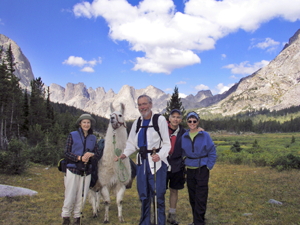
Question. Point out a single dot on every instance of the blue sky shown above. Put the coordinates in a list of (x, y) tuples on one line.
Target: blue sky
[(194, 45)]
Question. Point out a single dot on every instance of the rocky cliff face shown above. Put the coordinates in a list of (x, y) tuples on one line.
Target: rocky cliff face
[(23, 67), (98, 101), (274, 87)]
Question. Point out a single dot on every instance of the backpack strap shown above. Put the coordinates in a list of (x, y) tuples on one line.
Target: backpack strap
[(154, 122), (138, 125)]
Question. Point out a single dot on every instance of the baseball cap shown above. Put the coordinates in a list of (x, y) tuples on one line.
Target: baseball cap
[(175, 110)]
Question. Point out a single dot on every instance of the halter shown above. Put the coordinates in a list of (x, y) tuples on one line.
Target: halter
[(119, 123)]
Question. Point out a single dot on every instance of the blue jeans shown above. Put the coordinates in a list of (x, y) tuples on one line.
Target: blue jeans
[(146, 190)]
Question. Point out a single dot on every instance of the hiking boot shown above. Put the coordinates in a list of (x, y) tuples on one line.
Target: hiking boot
[(172, 219), (77, 221), (66, 221)]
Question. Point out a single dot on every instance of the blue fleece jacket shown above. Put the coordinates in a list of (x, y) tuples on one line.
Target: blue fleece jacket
[(199, 152)]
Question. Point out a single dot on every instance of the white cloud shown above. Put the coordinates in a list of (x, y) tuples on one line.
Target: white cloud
[(223, 56), (268, 44), (201, 87), (87, 69), (181, 82), (171, 39), (80, 62), (245, 68), (222, 88), (182, 95), (75, 61)]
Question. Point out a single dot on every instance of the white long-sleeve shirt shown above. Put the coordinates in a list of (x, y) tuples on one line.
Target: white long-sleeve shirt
[(153, 141)]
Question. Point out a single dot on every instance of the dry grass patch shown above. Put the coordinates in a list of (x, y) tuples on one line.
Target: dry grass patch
[(238, 195)]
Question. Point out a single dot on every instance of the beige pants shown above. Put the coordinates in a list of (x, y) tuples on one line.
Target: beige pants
[(73, 194)]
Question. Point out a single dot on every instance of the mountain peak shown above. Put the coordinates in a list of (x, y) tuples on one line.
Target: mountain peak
[(22, 68)]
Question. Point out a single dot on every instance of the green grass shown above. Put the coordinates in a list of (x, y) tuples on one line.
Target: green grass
[(235, 191), (272, 147), (238, 194)]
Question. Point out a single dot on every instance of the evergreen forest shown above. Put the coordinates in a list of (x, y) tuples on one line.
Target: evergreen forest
[(34, 130)]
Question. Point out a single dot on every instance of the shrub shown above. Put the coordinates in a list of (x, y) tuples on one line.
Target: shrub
[(236, 147), (15, 160), (45, 154), (259, 160), (287, 162)]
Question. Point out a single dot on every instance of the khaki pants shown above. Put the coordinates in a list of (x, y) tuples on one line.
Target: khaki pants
[(73, 194)]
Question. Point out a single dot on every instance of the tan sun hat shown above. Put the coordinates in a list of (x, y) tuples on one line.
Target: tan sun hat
[(86, 116)]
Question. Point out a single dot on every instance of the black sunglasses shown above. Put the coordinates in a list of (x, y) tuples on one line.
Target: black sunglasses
[(192, 121)]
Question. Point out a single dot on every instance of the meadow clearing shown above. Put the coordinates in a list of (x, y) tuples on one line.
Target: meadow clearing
[(238, 194)]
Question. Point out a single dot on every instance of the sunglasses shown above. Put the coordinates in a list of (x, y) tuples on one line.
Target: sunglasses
[(192, 121)]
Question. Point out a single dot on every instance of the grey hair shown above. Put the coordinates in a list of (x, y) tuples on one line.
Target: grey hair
[(145, 96)]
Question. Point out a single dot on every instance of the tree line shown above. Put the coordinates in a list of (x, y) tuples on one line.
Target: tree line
[(252, 123), (32, 128)]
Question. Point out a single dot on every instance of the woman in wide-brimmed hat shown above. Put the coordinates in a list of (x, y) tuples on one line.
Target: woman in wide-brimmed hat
[(81, 148)]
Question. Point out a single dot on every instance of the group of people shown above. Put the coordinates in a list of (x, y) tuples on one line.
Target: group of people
[(168, 155)]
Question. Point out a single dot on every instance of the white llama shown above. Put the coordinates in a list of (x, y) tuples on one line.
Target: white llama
[(112, 175)]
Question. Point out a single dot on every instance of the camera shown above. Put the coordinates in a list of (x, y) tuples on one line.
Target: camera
[(143, 152)]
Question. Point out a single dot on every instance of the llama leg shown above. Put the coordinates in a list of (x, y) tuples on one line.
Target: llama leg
[(120, 194), (106, 199), (98, 200), (92, 196)]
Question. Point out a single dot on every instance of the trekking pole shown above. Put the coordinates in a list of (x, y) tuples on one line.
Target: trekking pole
[(82, 195), (155, 196)]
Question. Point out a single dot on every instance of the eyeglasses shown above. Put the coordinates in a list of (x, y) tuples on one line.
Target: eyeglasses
[(192, 121)]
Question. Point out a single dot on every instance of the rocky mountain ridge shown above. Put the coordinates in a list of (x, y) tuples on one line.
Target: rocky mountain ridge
[(22, 67), (276, 86)]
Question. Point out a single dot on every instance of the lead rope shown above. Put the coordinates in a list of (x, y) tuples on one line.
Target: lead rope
[(122, 171)]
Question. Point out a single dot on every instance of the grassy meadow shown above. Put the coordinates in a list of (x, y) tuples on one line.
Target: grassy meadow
[(238, 194)]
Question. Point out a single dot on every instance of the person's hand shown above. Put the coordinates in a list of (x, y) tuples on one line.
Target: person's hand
[(155, 157), (200, 129), (122, 156), (86, 157)]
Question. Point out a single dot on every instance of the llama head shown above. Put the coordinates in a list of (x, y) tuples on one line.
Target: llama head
[(116, 117)]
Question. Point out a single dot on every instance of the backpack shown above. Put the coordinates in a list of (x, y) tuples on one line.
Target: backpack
[(154, 122), (94, 174)]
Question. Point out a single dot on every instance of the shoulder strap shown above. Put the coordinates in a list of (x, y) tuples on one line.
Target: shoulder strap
[(154, 122), (138, 125)]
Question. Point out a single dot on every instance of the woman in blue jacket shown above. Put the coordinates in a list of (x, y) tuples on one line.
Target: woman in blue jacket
[(199, 154), (81, 148)]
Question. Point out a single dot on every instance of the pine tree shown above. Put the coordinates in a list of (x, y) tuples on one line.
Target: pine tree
[(25, 126), (15, 94), (37, 112), (3, 101), (236, 147), (10, 95), (49, 109), (174, 103)]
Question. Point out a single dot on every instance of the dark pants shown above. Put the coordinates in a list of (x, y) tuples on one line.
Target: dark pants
[(145, 186), (197, 183)]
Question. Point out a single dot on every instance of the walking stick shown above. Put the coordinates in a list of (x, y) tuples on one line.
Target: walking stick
[(82, 195), (155, 196)]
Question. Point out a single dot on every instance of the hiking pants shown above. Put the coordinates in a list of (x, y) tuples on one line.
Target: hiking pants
[(197, 183), (73, 194), (145, 187)]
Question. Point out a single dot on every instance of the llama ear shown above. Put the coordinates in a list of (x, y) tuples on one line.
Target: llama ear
[(122, 108), (111, 108)]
